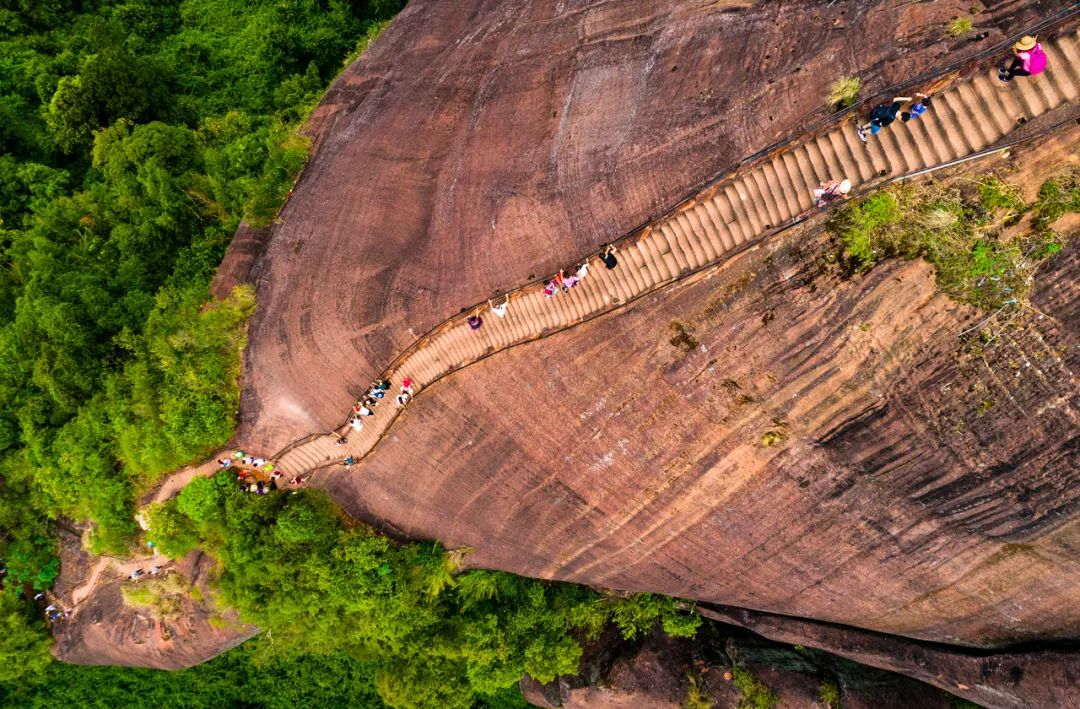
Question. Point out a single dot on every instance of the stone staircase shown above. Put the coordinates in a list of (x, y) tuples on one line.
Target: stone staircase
[(964, 118)]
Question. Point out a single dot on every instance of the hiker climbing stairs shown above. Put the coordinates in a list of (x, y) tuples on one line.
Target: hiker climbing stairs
[(965, 117)]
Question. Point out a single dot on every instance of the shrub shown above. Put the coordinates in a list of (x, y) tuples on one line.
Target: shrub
[(959, 26), (755, 695), (830, 694), (696, 697), (970, 234), (843, 92)]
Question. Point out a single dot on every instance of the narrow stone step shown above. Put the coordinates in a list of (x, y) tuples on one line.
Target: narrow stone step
[(748, 200), (821, 168), (723, 229), (698, 223), (789, 192), (954, 135), (683, 246), (735, 217), (687, 242), (952, 103), (648, 254), (1064, 74), (926, 129), (765, 198), (1029, 98), (710, 228), (802, 172), (914, 143), (701, 226), (974, 112), (990, 106), (1045, 84), (838, 157)]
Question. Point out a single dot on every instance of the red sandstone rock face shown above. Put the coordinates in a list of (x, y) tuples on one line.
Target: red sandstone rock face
[(106, 631), (479, 143), (897, 500)]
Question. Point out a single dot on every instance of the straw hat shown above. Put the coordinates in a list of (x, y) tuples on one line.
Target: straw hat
[(845, 186), (1025, 43)]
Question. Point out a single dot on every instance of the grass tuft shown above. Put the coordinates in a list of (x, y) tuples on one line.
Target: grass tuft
[(844, 92), (696, 696), (959, 27), (830, 694), (755, 695)]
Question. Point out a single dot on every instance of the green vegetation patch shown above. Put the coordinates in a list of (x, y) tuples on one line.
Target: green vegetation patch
[(135, 136), (434, 637), (829, 693), (843, 92), (755, 695), (985, 241), (696, 695), (959, 26)]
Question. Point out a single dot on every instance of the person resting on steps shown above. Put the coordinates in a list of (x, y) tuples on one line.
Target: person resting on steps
[(1028, 60), (830, 191), (499, 308), (919, 107), (474, 322)]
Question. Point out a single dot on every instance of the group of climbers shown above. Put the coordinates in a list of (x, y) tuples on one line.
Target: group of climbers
[(1028, 59), (365, 406), (561, 281)]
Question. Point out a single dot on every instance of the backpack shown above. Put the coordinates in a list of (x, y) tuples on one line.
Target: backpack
[(1036, 61)]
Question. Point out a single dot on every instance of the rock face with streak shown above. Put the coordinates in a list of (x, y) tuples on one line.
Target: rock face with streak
[(634, 452), (480, 143)]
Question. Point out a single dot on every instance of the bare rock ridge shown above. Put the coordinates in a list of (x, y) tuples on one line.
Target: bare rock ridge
[(727, 216), (176, 625), (479, 144)]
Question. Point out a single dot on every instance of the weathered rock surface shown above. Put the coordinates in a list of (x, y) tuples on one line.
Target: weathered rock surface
[(185, 630), (922, 487), (480, 143), (1022, 678)]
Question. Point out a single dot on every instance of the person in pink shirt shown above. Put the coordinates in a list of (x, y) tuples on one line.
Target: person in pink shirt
[(1028, 59)]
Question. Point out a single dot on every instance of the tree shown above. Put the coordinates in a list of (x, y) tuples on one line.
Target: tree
[(112, 84), (24, 648)]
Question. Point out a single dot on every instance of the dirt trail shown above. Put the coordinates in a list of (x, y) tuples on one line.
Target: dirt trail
[(110, 569)]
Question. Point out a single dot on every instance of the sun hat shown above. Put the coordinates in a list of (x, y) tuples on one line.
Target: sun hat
[(1025, 43), (845, 186)]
